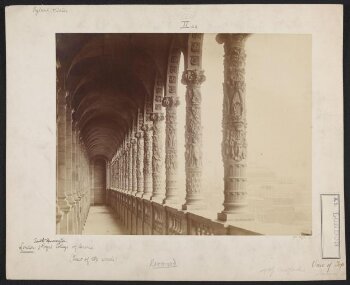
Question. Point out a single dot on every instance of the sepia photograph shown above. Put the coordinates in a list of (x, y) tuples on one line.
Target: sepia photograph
[(175, 143), (183, 134)]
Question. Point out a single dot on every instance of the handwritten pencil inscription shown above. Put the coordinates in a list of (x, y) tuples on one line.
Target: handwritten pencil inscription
[(186, 24), (77, 252), (159, 264), (49, 10)]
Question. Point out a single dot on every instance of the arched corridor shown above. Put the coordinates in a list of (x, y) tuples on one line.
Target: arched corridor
[(124, 165), (98, 192), (102, 221)]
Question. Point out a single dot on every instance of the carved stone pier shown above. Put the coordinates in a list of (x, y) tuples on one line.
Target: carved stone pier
[(157, 159), (63, 207), (147, 170), (126, 166), (171, 195), (139, 164), (134, 166), (234, 124), (130, 165), (193, 133)]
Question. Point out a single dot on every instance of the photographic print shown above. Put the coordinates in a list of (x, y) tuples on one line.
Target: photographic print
[(174, 142), (183, 134)]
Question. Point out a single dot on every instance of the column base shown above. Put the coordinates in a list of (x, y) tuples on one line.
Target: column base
[(171, 201), (147, 196), (237, 217), (196, 206), (139, 194), (158, 200)]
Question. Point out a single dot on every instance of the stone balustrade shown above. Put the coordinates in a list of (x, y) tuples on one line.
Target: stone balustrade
[(146, 217)]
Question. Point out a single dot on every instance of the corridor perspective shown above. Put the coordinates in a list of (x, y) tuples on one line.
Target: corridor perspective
[(101, 221), (154, 136)]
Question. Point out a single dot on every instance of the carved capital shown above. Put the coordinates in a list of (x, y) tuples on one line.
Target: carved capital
[(171, 101), (146, 127), (232, 39), (157, 117), (193, 77), (139, 135)]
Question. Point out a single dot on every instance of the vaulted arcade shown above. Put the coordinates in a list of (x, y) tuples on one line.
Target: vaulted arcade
[(116, 94)]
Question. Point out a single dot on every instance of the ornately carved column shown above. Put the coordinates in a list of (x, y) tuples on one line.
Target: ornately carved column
[(126, 169), (117, 170), (121, 171), (134, 167), (147, 169), (139, 164), (69, 167), (171, 195), (63, 207), (126, 164), (157, 159), (193, 134), (130, 160), (75, 174), (234, 124), (121, 165)]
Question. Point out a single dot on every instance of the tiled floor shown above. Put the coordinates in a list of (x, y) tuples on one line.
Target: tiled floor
[(101, 221)]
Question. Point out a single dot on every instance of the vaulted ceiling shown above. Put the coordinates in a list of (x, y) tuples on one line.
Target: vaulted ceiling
[(108, 77)]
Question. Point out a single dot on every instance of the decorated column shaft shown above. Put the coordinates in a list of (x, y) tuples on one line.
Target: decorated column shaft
[(63, 206), (193, 135), (126, 164), (69, 167), (118, 166), (121, 171), (158, 157), (121, 165), (193, 77), (147, 169), (75, 174), (171, 195), (139, 163), (134, 166), (122, 174), (112, 174), (234, 124), (126, 169), (115, 170), (130, 164)]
